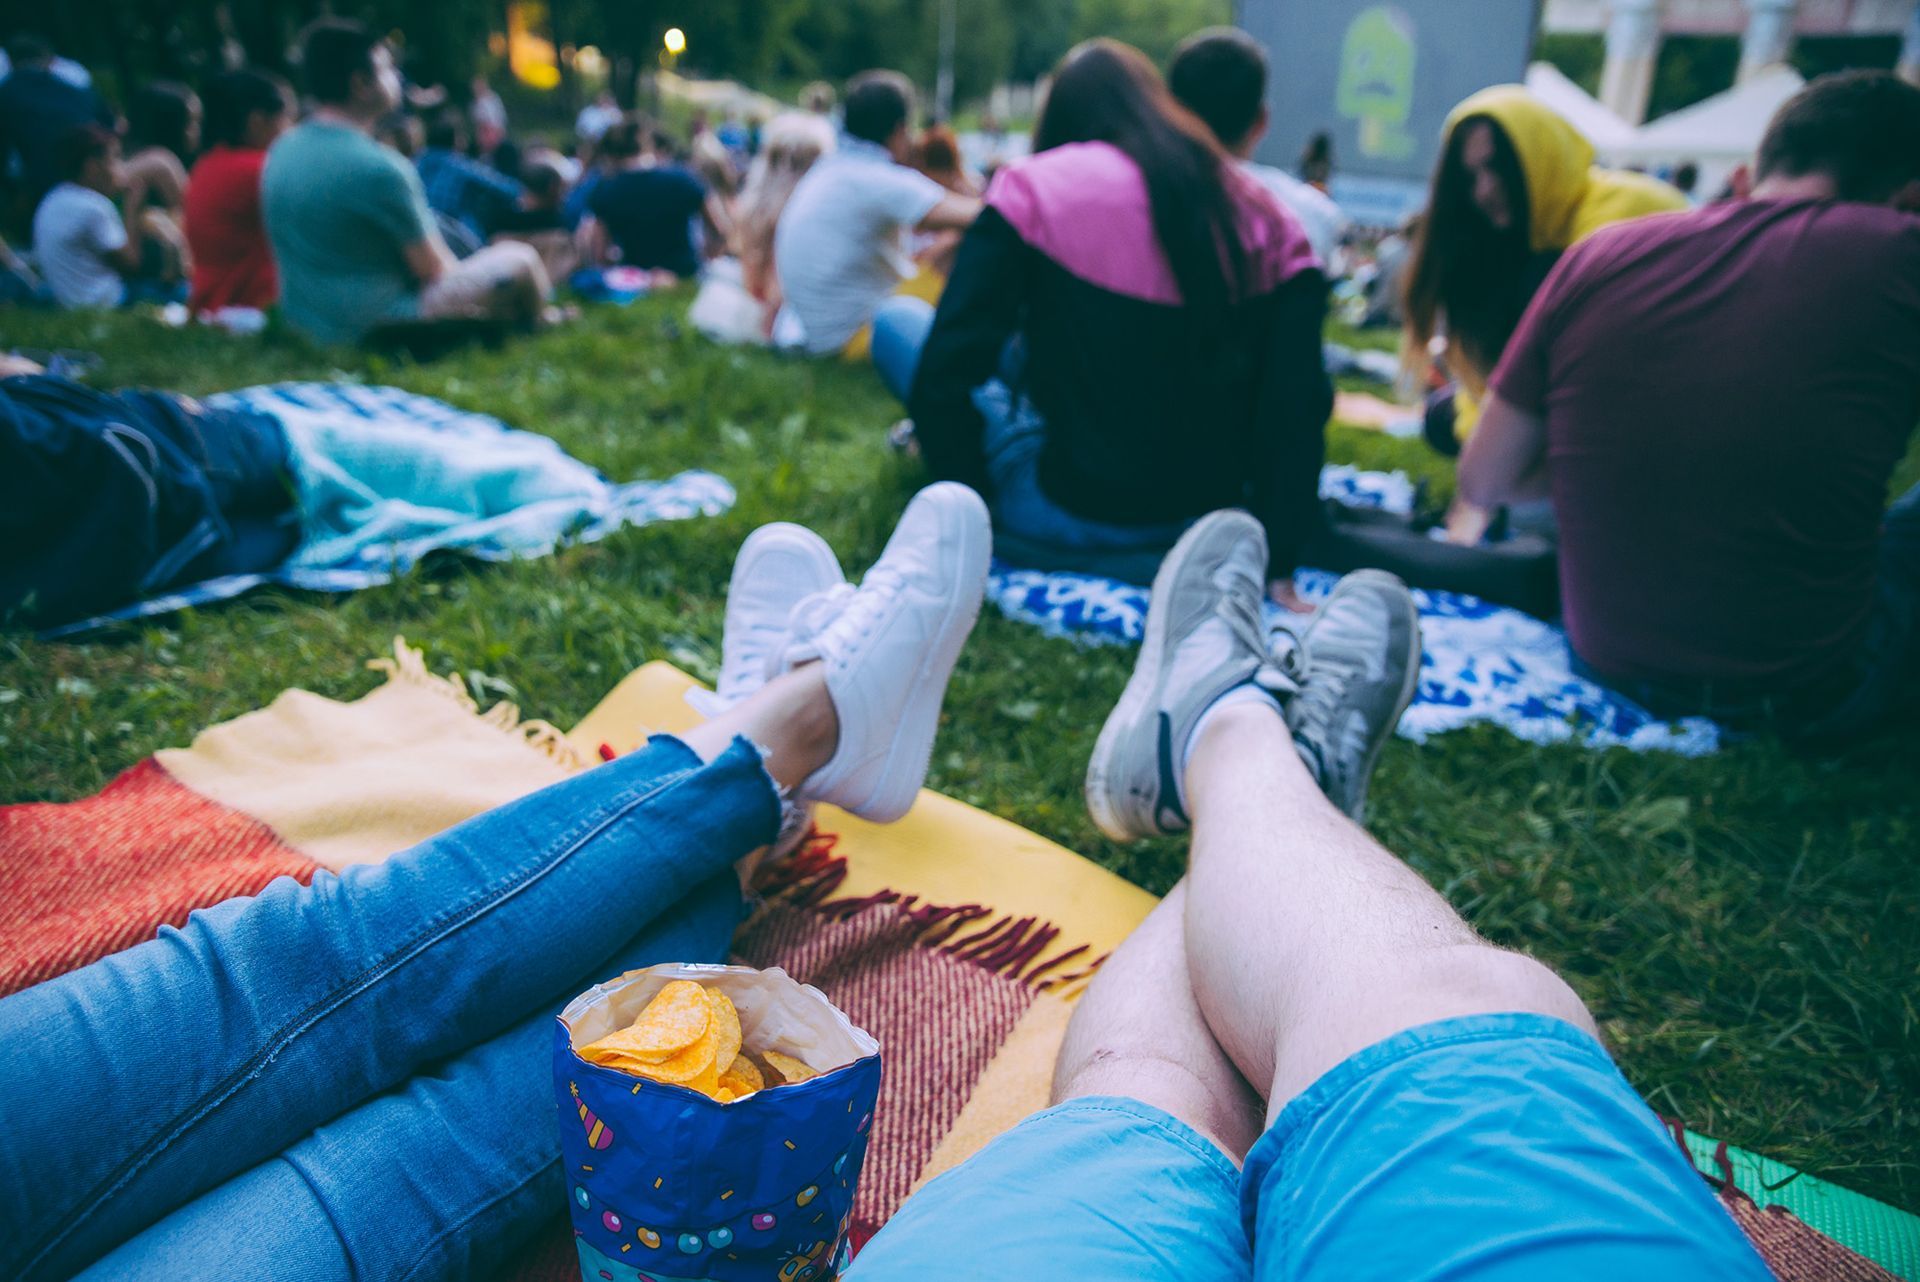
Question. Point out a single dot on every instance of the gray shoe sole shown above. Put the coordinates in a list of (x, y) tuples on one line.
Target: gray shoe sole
[(1129, 727)]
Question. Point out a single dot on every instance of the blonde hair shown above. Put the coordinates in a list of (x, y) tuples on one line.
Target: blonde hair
[(788, 147)]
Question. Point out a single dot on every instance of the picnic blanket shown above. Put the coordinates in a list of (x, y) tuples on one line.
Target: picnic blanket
[(388, 476), (1482, 662), (958, 939)]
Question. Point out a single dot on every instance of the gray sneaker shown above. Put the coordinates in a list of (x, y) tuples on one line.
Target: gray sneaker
[(1362, 652), (1203, 638)]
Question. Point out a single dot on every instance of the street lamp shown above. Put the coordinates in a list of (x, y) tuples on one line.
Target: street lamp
[(675, 41)]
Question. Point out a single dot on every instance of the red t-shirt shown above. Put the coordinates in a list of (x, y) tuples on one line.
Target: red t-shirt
[(1726, 394), (232, 263)]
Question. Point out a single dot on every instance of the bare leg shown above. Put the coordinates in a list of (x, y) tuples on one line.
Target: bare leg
[(1307, 940), (791, 719), (1138, 1032)]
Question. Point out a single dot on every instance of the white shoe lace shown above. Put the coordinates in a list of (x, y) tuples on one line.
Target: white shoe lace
[(842, 616)]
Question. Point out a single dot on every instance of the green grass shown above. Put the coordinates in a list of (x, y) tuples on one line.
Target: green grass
[(1746, 928)]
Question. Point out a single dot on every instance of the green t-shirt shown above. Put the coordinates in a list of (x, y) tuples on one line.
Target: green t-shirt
[(341, 209)]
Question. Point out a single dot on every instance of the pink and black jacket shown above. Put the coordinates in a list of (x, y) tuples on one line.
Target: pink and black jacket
[(1152, 416)]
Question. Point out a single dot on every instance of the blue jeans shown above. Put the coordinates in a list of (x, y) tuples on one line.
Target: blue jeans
[(1030, 529), (352, 1079)]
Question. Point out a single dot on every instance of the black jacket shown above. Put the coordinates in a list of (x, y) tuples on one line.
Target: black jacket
[(1151, 417)]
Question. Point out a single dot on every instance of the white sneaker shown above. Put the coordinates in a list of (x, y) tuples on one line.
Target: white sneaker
[(889, 649), (779, 566)]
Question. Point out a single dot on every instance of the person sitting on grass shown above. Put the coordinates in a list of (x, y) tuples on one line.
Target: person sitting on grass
[(1220, 75), (840, 248), (646, 210), (232, 261), (1170, 315), (1514, 188), (790, 146), (1715, 402), (1304, 1066), (463, 189), (38, 106), (320, 1038), (351, 230), (163, 138), (90, 253)]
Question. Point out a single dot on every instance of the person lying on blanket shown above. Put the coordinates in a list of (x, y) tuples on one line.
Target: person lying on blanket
[(1303, 1064), (1131, 339), (1716, 402), (350, 1079), (108, 497)]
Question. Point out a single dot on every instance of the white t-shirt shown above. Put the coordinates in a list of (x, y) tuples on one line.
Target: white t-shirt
[(1324, 221), (841, 244), (74, 230)]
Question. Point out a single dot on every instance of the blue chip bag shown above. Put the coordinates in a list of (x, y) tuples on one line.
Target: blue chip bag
[(665, 1183)]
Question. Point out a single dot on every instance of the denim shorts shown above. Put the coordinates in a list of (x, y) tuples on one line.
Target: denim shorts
[(1500, 1147)]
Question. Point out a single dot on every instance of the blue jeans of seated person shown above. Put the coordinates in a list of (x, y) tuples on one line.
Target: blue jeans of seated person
[(352, 1079), (1028, 526)]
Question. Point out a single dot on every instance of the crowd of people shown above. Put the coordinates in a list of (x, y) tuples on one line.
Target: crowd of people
[(1112, 357), (1130, 337), (1123, 331)]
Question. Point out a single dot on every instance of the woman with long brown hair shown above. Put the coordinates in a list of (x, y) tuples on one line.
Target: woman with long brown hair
[(1168, 314), (1515, 187)]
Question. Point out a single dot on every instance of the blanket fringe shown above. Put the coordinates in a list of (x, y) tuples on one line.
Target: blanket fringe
[(409, 666), (1024, 949)]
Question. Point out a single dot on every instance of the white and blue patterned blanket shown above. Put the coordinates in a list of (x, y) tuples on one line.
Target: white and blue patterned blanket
[(1482, 662), (387, 476)]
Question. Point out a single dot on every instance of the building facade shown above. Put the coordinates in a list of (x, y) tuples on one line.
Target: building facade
[(1767, 29)]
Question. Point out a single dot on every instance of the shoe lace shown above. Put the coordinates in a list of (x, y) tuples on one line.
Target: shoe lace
[(1238, 606), (1321, 691), (841, 611)]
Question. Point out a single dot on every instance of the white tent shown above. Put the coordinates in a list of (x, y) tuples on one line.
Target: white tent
[(1604, 129), (1718, 134)]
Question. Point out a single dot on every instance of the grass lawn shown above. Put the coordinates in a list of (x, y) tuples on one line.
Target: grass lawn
[(1746, 928)]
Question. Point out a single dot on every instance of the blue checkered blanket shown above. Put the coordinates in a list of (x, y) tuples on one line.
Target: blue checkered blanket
[(386, 476), (1482, 662)]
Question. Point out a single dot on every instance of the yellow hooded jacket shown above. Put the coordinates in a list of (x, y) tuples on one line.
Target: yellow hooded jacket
[(1568, 196)]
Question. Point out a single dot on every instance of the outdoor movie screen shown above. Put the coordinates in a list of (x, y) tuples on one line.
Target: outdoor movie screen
[(1379, 79)]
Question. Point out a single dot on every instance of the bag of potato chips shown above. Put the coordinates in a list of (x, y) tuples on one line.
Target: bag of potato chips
[(713, 1122)]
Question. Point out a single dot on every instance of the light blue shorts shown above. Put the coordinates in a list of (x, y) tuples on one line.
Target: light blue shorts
[(1496, 1147)]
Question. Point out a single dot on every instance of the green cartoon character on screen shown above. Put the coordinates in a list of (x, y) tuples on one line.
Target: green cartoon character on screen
[(1376, 81)]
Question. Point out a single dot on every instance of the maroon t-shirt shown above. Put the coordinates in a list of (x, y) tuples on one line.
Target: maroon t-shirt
[(1726, 394)]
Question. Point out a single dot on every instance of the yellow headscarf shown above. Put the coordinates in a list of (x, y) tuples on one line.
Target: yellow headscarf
[(1568, 197)]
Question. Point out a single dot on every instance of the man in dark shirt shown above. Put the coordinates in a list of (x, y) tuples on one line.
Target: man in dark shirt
[(37, 108), (1716, 402), (648, 208), (470, 193)]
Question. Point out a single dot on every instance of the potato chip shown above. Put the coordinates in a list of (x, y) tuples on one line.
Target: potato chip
[(659, 1046), (788, 1067), (677, 1018), (707, 1081), (726, 1029), (689, 1066), (743, 1078)]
